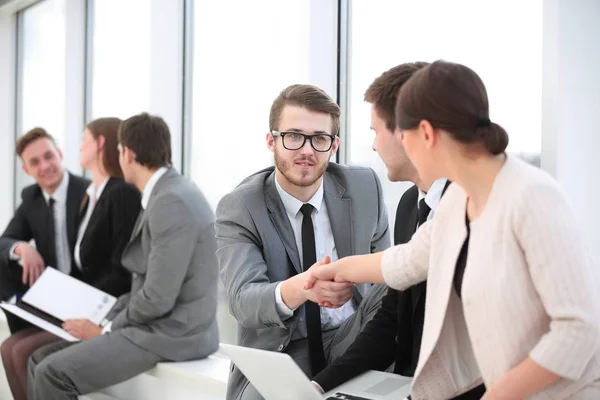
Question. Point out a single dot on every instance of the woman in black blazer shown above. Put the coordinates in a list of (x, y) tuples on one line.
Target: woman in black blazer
[(106, 219), (109, 211)]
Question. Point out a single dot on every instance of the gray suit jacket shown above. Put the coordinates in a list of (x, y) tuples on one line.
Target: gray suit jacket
[(257, 249), (171, 310)]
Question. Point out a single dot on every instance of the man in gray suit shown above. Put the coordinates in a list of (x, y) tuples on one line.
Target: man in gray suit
[(169, 315), (279, 221)]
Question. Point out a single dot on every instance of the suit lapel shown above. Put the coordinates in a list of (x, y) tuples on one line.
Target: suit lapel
[(441, 284), (339, 209), (44, 241), (142, 216), (281, 222), (420, 292), (411, 224), (137, 228), (73, 206)]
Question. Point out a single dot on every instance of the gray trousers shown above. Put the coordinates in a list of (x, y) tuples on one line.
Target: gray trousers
[(336, 341), (64, 370)]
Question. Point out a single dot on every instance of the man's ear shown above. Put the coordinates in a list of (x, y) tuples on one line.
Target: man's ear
[(24, 167), (335, 146), (270, 142), (129, 155)]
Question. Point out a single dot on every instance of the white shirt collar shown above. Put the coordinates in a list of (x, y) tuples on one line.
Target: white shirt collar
[(150, 185), (94, 193), (434, 195), (60, 194), (292, 205)]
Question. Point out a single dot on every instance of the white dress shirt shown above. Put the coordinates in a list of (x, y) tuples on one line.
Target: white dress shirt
[(150, 185), (145, 199), (93, 196), (63, 252), (324, 244), (433, 195)]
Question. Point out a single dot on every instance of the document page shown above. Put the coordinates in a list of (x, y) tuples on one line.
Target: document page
[(37, 321), (65, 297)]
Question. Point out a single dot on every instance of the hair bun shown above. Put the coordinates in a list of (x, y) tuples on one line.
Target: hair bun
[(495, 138)]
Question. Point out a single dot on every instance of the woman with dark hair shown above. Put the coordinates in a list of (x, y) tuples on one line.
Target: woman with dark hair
[(512, 295), (108, 214)]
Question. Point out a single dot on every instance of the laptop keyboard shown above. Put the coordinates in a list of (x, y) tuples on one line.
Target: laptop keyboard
[(344, 396)]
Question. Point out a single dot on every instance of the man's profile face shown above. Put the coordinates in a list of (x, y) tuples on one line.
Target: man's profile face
[(388, 146), (43, 162)]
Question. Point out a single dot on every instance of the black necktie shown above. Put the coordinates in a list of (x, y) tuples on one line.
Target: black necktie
[(424, 211), (313, 311), (51, 235)]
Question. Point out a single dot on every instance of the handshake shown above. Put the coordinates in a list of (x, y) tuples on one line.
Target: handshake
[(330, 284), (322, 284)]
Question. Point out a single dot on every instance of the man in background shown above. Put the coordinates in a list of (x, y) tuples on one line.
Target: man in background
[(48, 214), (169, 315)]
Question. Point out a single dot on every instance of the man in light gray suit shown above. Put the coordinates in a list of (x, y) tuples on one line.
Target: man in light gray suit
[(169, 315), (278, 222)]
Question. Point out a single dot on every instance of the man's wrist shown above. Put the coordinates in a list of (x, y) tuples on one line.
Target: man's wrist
[(14, 253), (292, 292)]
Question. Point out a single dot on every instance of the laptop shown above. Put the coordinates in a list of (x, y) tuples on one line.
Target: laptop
[(277, 377)]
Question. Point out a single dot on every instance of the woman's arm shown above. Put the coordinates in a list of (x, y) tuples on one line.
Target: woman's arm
[(399, 267), (522, 381), (564, 278), (364, 268)]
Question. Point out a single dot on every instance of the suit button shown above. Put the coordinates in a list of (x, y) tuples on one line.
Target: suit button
[(280, 347), (135, 275)]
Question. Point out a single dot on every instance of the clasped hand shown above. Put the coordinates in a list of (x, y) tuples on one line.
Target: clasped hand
[(325, 286)]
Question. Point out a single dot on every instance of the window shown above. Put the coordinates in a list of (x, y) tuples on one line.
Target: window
[(136, 61), (121, 58), (262, 47), (42, 44), (237, 77), (500, 40)]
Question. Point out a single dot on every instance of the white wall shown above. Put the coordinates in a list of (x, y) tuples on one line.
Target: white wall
[(571, 105), (7, 112)]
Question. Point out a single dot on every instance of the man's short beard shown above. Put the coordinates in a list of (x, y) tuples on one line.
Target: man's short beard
[(284, 167)]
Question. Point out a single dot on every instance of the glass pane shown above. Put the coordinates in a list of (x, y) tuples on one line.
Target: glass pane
[(500, 39), (120, 58), (42, 46), (237, 77), (137, 62)]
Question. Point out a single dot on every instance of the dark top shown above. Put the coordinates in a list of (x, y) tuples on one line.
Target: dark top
[(106, 236), (461, 263)]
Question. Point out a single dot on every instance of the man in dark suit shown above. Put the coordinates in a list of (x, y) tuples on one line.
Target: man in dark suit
[(393, 336), (48, 214)]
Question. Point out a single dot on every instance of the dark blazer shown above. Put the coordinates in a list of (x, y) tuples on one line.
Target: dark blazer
[(107, 234), (31, 222), (394, 333)]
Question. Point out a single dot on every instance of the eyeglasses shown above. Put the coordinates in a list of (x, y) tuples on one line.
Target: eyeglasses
[(321, 142)]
